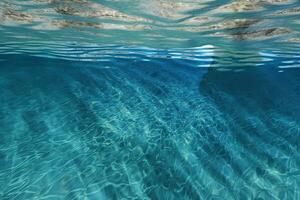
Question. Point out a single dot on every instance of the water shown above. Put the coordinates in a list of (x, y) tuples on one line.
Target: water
[(149, 100)]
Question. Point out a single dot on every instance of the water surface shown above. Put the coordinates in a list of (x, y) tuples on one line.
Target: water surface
[(149, 100)]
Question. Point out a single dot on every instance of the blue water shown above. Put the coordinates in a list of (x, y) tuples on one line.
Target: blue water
[(139, 124), (160, 99)]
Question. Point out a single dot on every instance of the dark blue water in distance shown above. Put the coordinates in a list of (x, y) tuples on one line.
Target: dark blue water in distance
[(150, 100)]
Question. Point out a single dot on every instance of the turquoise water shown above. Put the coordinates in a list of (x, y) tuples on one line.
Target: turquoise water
[(149, 100)]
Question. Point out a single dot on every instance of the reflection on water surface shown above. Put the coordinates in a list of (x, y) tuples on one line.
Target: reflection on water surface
[(151, 23), (152, 99)]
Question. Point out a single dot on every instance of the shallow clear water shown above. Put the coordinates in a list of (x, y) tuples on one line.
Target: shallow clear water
[(119, 100)]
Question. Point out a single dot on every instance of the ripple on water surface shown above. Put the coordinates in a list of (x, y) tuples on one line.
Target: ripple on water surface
[(153, 23), (155, 99)]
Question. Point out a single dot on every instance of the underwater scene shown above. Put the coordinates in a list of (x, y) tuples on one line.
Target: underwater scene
[(159, 99)]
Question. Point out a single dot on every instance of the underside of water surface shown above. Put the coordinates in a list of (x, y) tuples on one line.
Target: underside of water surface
[(149, 100)]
